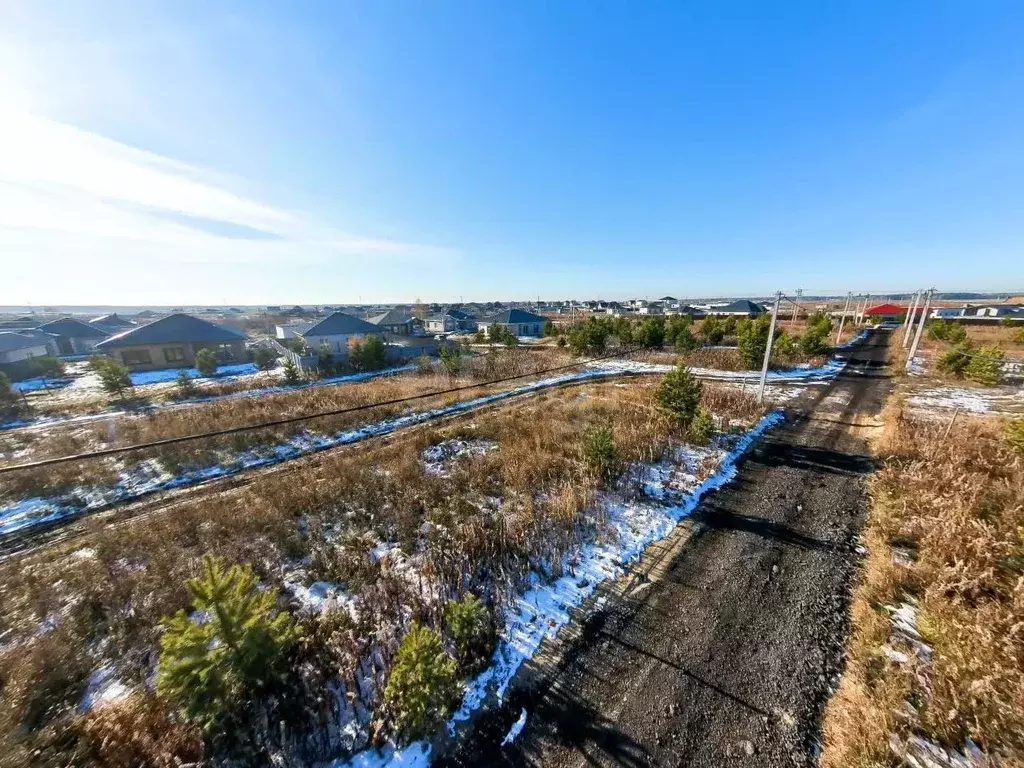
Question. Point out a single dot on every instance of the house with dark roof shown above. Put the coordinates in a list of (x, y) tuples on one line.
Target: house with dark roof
[(338, 331), (451, 321), (397, 322), (15, 346), (739, 308), (73, 337), (518, 322), (112, 323), (173, 342)]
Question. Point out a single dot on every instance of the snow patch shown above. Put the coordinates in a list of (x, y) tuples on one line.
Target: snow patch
[(515, 730), (102, 688)]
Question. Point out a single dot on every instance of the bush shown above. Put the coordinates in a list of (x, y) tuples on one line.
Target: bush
[(944, 330), (423, 685), (986, 365), (753, 338), (370, 354), (229, 652), (264, 357), (1007, 322), (599, 451), (114, 377), (549, 328), (651, 333), (472, 632), (137, 731), (451, 359), (291, 373), (785, 346), (703, 426), (713, 329), (679, 394), (1019, 338), (954, 361), (8, 396), (186, 385), (324, 361), (1014, 433), (589, 337), (819, 323), (815, 341), (424, 366), (206, 362), (48, 367)]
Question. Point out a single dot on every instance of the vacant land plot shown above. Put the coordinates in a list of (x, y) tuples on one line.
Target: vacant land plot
[(935, 670), (354, 550)]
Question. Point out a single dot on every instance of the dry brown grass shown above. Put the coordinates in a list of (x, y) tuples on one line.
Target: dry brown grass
[(957, 505), (332, 509), (226, 414)]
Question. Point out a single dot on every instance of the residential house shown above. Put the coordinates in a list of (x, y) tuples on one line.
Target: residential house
[(291, 330), (112, 323), (73, 337), (517, 321), (885, 313), (650, 308), (738, 308), (397, 322), (16, 347), (338, 330), (992, 311), (451, 321), (694, 312), (173, 342)]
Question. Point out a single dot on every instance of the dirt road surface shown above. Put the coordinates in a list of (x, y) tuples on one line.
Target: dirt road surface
[(725, 642)]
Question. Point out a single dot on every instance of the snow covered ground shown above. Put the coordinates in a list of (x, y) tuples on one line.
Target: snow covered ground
[(673, 490), (140, 480), (993, 401), (438, 458), (272, 387)]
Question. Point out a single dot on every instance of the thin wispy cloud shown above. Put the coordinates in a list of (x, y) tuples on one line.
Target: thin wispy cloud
[(67, 192)]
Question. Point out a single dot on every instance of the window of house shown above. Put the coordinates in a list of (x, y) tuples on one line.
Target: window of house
[(225, 352), (136, 357), (174, 354)]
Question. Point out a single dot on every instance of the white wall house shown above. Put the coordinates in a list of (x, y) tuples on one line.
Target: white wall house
[(337, 331)]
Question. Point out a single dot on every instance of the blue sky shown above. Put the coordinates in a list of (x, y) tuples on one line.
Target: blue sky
[(196, 152)]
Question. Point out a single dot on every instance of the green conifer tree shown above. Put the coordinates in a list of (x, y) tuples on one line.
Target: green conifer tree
[(228, 652)]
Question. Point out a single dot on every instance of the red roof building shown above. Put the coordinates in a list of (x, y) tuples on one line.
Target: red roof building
[(886, 310)]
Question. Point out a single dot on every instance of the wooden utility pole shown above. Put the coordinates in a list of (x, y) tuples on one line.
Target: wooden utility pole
[(909, 322), (768, 348), (920, 327), (842, 319)]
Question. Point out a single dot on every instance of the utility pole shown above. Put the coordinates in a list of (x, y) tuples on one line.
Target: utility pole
[(842, 320), (796, 306), (768, 348), (909, 323), (860, 315), (920, 327)]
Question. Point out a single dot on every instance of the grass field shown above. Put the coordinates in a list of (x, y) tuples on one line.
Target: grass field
[(390, 536)]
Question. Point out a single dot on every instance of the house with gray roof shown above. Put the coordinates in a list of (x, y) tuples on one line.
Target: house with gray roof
[(518, 322), (173, 342), (16, 347), (739, 308), (338, 331), (73, 337), (397, 322), (451, 321), (112, 323)]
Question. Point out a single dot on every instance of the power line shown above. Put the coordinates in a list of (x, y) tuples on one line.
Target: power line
[(296, 419)]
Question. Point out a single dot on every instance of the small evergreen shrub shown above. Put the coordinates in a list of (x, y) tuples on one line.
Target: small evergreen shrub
[(451, 359), (228, 652), (186, 386), (703, 426), (206, 362), (423, 685), (424, 366), (679, 395), (986, 365), (753, 338), (954, 361), (291, 373), (8, 396), (713, 330), (264, 358), (471, 629), (599, 451), (1014, 433), (114, 377)]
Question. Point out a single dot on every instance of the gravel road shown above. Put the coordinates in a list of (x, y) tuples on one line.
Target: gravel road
[(724, 644)]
